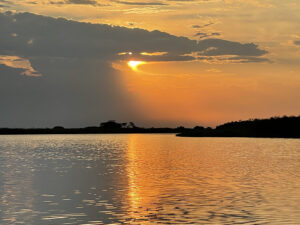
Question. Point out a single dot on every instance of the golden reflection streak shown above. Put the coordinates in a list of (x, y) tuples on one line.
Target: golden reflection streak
[(142, 193), (134, 192), (149, 178)]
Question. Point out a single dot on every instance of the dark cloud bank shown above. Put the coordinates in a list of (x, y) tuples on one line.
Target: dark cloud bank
[(78, 86)]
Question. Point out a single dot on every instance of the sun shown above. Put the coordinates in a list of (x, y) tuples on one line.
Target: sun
[(135, 64)]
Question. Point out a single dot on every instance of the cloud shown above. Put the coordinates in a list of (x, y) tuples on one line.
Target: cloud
[(96, 3), (202, 26), (64, 38), (248, 59), (4, 4), (256, 3), (206, 35), (222, 51), (140, 3), (83, 2), (297, 42), (215, 47), (76, 2), (77, 85), (56, 37), (225, 59), (18, 62)]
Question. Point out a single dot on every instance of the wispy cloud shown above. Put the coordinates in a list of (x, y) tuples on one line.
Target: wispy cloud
[(206, 35), (19, 63), (140, 3), (76, 2)]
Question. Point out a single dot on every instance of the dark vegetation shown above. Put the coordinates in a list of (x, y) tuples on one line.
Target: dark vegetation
[(109, 127), (281, 127)]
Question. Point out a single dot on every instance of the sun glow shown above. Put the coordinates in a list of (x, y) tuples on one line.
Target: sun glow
[(135, 64)]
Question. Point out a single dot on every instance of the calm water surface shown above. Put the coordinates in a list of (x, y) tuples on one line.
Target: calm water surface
[(148, 179)]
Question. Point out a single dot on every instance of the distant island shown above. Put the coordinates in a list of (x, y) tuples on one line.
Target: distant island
[(275, 127)]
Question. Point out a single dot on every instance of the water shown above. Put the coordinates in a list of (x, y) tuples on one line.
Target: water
[(148, 179)]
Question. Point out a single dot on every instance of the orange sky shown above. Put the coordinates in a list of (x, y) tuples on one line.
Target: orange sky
[(191, 92)]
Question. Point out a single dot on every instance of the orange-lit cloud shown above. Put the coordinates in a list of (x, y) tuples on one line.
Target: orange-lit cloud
[(19, 63)]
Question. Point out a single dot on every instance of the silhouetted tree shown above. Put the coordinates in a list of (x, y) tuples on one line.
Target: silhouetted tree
[(180, 128), (132, 125), (198, 128), (111, 124), (58, 128), (124, 125)]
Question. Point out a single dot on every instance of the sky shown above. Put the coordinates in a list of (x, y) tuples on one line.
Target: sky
[(77, 63)]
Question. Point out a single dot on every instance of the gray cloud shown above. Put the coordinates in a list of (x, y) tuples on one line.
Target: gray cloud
[(206, 35), (83, 2), (64, 38), (297, 42), (96, 3), (248, 59), (232, 59), (76, 2), (202, 26), (4, 4), (78, 86), (215, 47)]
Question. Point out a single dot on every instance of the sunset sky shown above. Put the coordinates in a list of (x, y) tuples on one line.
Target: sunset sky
[(154, 62)]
